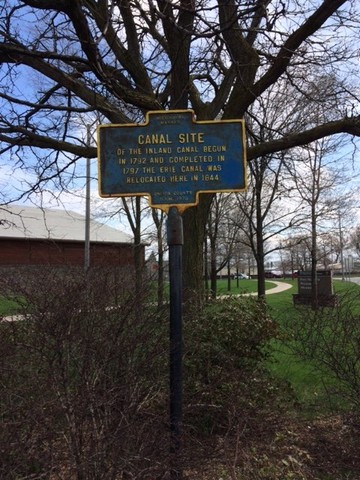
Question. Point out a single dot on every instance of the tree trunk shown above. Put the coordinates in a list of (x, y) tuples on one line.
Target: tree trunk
[(160, 279), (228, 276), (158, 219), (314, 284), (261, 275), (194, 222), (213, 269), (260, 256), (206, 267)]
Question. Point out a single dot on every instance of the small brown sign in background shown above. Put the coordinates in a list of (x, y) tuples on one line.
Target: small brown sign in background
[(325, 292)]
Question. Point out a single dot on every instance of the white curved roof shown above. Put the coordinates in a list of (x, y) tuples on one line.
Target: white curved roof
[(18, 221)]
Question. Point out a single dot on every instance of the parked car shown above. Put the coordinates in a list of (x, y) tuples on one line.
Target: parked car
[(291, 274), (241, 276), (273, 274)]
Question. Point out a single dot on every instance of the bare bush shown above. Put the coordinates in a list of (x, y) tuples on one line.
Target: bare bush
[(81, 374), (84, 379)]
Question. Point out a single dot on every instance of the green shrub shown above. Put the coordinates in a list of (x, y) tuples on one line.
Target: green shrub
[(225, 348)]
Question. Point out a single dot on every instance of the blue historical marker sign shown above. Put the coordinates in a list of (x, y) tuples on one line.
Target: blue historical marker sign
[(171, 158)]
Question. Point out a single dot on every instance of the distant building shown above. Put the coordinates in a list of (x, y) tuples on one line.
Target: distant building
[(37, 236)]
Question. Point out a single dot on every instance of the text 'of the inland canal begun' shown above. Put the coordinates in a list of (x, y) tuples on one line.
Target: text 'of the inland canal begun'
[(157, 158)]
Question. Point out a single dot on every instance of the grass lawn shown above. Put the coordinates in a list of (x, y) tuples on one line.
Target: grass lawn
[(8, 306), (310, 385), (239, 286), (306, 381)]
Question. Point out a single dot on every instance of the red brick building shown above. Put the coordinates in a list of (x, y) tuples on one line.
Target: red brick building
[(36, 236)]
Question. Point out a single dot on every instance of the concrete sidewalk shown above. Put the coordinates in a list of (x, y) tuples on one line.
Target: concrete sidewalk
[(280, 287)]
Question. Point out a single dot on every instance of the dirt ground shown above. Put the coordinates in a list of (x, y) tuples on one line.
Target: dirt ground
[(285, 449)]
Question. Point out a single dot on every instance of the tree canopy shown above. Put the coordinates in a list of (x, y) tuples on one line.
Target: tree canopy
[(114, 60)]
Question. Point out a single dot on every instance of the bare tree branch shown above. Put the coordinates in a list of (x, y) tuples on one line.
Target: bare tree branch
[(349, 125)]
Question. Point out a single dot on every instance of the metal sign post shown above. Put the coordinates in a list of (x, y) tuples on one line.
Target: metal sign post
[(172, 159), (175, 241)]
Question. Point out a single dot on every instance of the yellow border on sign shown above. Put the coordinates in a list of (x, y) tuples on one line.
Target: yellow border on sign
[(182, 206)]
